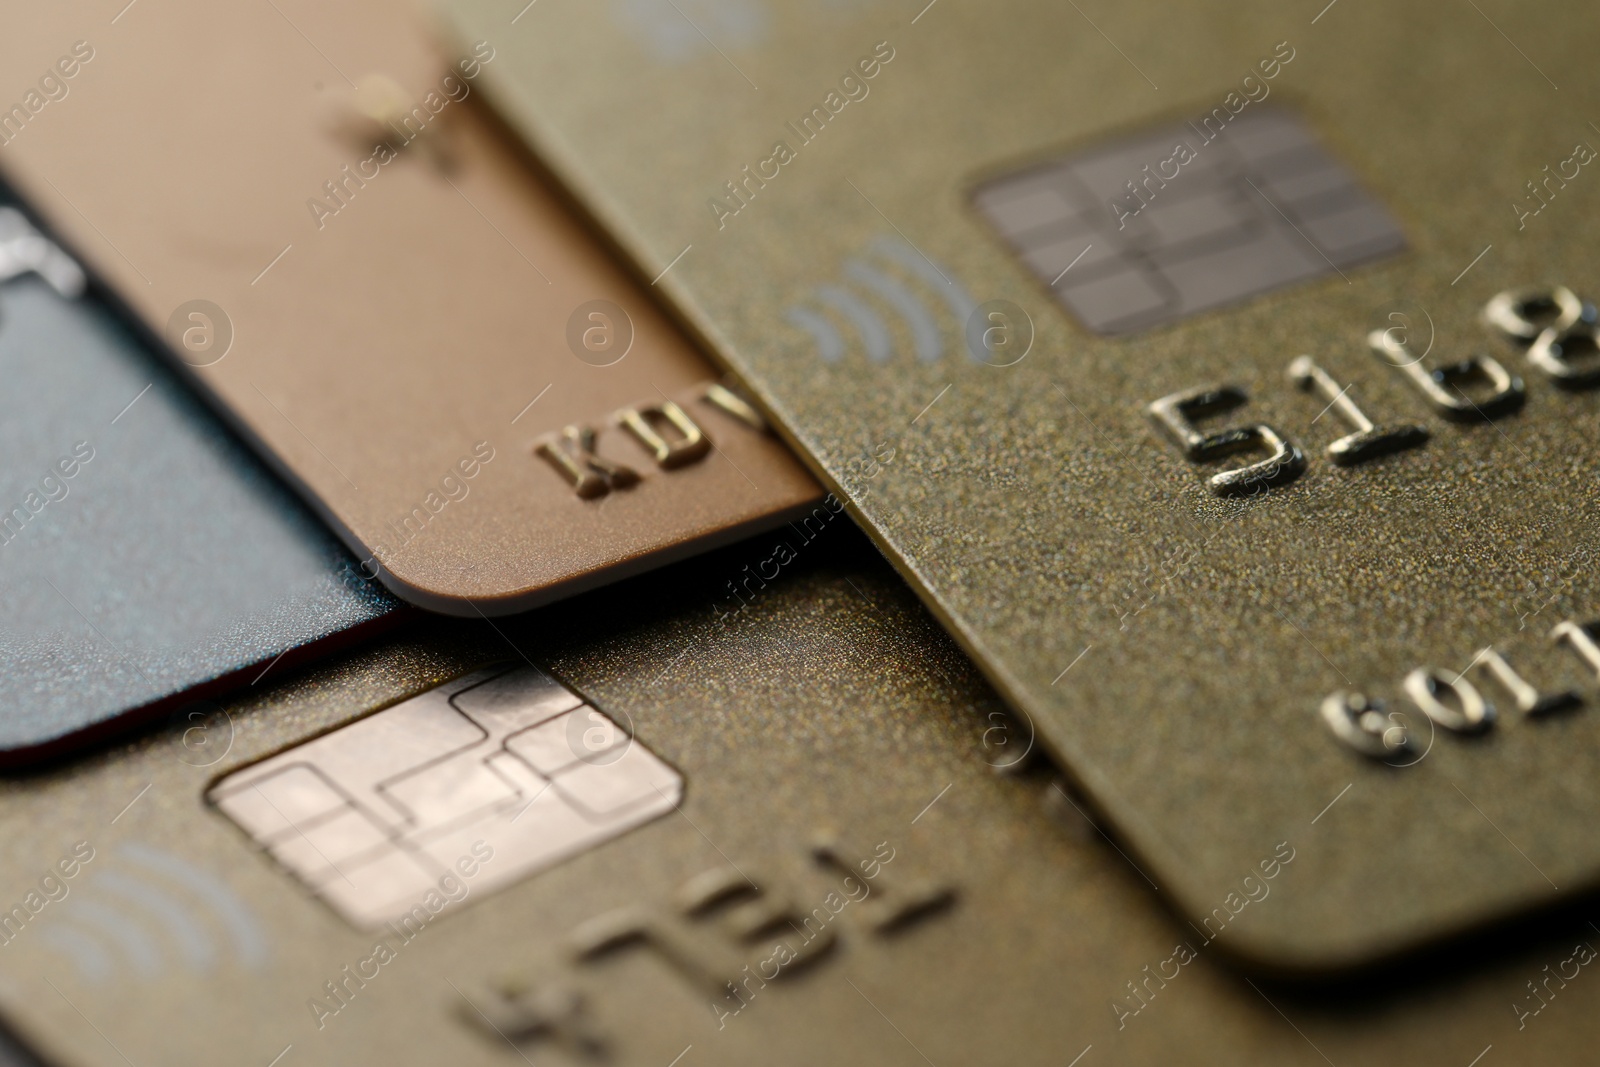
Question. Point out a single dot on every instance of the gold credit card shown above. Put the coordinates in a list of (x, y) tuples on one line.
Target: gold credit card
[(342, 250), (1221, 375), (252, 887)]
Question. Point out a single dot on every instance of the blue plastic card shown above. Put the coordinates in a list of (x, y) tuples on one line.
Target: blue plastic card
[(145, 556)]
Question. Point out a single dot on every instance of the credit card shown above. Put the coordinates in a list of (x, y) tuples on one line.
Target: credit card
[(840, 875), (360, 268), (1222, 377), (146, 558)]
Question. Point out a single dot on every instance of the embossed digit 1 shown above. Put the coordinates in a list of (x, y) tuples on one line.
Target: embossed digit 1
[(1368, 441), (1528, 698), (1174, 414), (1441, 386), (1553, 323)]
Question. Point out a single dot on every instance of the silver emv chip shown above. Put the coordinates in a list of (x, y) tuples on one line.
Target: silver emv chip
[(489, 777)]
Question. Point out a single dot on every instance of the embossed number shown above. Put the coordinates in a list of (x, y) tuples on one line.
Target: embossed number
[(1175, 413), (1369, 441), (1442, 386), (1556, 325)]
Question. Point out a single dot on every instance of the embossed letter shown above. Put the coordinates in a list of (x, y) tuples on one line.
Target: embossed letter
[(1528, 699), (571, 452), (1361, 724), (689, 446), (1474, 714), (1577, 635), (724, 399)]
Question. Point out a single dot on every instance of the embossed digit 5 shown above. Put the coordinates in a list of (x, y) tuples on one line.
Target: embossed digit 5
[(1175, 415)]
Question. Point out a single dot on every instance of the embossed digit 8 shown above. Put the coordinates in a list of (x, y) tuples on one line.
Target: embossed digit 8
[(1556, 325)]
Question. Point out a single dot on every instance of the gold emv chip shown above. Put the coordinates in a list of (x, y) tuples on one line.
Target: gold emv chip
[(1149, 229)]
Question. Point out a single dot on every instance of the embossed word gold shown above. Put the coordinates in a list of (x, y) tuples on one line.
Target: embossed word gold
[(1454, 703)]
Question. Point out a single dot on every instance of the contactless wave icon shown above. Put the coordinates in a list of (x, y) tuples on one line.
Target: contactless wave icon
[(150, 911), (891, 278)]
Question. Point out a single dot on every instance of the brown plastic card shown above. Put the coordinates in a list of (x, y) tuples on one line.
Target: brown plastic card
[(351, 259)]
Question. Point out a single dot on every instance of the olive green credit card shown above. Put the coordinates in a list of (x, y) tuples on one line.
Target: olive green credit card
[(674, 833), (1222, 376)]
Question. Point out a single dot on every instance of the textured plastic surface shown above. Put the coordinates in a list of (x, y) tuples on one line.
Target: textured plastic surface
[(1173, 646), (830, 708), (167, 560)]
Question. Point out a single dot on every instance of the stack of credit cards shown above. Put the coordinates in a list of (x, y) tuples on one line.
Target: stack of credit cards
[(692, 531)]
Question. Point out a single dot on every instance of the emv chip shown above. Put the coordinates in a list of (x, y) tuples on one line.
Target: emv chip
[(494, 775), (1156, 227)]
